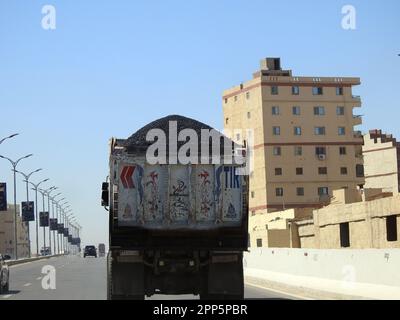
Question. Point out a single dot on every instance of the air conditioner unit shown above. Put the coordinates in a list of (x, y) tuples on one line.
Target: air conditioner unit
[(321, 156)]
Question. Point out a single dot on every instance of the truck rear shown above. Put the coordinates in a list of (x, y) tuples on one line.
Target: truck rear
[(102, 250), (174, 228)]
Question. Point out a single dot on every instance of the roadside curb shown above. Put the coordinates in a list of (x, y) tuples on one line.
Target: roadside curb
[(21, 261), (300, 292)]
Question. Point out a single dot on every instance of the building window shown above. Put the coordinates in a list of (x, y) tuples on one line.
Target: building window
[(298, 151), (226, 100), (275, 110), (278, 171), (322, 170), (319, 111), (247, 95), (343, 170), (235, 98), (279, 192), (340, 111), (297, 131), (342, 151), (276, 131), (259, 243), (359, 171), (317, 91), (339, 91), (391, 228), (274, 90), (295, 90), (226, 120), (341, 131), (323, 191), (320, 150), (248, 115), (319, 131), (296, 111), (277, 151), (300, 191), (344, 235), (252, 194), (299, 171)]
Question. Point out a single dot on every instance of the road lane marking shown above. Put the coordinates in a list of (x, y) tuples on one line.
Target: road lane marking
[(27, 284), (7, 296), (278, 291), (38, 278)]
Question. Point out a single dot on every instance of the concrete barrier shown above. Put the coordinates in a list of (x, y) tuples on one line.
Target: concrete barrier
[(26, 260), (338, 274)]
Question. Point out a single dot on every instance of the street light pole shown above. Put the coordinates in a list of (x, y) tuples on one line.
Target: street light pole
[(27, 176), (9, 137), (58, 221), (47, 193), (61, 235), (42, 192), (36, 188), (14, 165), (68, 224)]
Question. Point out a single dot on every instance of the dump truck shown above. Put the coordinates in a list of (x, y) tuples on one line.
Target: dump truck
[(176, 227), (102, 249)]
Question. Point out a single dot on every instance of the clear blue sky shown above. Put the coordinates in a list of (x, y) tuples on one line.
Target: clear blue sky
[(112, 66)]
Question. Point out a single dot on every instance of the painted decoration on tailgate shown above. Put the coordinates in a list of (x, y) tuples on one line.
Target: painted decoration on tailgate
[(228, 193), (130, 192), (179, 193), (204, 191), (155, 186)]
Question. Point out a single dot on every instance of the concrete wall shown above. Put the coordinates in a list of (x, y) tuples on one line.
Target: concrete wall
[(372, 273), (7, 233), (381, 165)]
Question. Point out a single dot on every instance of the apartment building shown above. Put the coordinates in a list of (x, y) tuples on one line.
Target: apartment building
[(381, 161), (305, 144)]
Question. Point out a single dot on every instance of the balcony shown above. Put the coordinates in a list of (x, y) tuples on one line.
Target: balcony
[(357, 120), (356, 100), (357, 135)]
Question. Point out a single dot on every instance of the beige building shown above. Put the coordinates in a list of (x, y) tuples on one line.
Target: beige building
[(355, 219), (7, 233), (305, 145), (381, 161)]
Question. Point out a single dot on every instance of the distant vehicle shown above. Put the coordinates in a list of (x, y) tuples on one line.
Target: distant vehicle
[(90, 251), (4, 274), (45, 251), (175, 228), (102, 250)]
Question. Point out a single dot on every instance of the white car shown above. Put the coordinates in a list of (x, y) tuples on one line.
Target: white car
[(4, 274)]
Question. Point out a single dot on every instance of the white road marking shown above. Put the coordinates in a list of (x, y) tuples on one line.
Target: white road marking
[(38, 278), (27, 284), (7, 296)]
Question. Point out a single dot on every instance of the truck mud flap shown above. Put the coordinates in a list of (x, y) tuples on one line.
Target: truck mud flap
[(127, 279), (225, 276)]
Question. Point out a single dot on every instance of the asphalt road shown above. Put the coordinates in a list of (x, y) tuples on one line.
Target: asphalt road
[(84, 279)]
